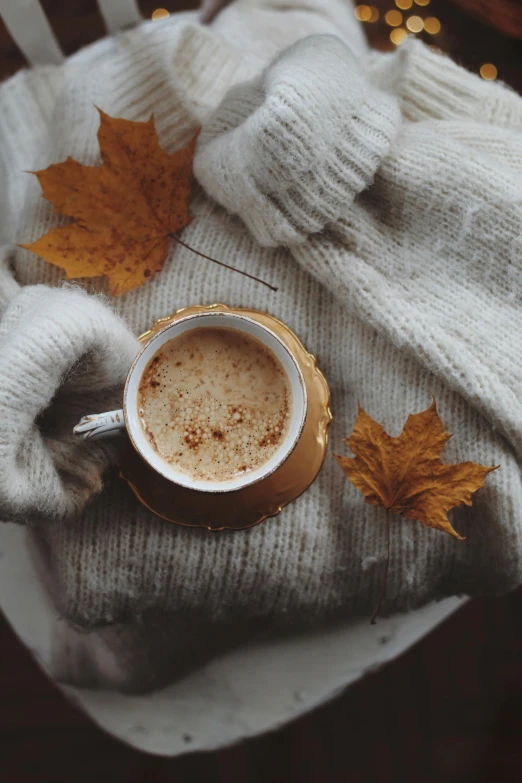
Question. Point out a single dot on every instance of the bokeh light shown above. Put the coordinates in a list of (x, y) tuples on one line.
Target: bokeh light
[(160, 13), (393, 18), (488, 71), (363, 13), (432, 25), (398, 35), (414, 24)]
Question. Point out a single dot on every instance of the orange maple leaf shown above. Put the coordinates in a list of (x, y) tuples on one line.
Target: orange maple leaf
[(405, 474), (126, 211)]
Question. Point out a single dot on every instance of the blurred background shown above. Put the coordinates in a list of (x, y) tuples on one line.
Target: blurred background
[(448, 710)]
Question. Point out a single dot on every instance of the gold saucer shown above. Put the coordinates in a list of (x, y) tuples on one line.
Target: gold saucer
[(251, 505)]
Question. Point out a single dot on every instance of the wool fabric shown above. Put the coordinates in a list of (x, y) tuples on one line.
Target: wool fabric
[(80, 354), (382, 195)]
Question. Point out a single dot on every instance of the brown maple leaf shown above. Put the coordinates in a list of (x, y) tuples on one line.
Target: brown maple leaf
[(126, 211), (405, 475)]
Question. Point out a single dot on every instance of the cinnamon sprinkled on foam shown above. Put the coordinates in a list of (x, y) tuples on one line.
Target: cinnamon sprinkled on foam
[(215, 403)]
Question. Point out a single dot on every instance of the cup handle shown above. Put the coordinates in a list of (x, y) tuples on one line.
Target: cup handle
[(100, 425)]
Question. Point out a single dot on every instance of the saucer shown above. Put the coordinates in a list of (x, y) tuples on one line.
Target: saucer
[(246, 507)]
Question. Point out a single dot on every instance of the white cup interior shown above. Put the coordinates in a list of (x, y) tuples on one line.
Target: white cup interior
[(242, 324)]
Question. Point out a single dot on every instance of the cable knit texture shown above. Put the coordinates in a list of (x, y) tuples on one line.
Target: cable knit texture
[(382, 194)]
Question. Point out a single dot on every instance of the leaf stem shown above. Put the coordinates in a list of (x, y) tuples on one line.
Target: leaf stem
[(221, 263), (385, 580)]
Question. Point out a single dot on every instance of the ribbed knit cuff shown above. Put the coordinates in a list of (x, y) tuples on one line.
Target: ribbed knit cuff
[(290, 150), (432, 86)]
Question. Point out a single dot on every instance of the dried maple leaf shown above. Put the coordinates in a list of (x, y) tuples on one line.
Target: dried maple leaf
[(126, 211), (405, 474)]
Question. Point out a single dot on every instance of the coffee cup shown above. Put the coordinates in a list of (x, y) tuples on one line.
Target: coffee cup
[(238, 421)]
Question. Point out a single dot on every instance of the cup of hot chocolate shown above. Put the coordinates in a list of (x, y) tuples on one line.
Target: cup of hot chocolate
[(213, 402)]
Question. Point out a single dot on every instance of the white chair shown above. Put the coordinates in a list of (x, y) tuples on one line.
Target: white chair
[(244, 692), (32, 32)]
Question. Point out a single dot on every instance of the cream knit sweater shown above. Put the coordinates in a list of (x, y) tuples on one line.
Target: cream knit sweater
[(383, 195)]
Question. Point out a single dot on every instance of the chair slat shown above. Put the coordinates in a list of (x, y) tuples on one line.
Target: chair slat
[(31, 31), (118, 14)]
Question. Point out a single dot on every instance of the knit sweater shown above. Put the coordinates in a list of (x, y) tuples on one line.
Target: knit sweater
[(382, 195)]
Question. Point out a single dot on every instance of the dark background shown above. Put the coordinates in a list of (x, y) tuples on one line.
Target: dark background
[(450, 709)]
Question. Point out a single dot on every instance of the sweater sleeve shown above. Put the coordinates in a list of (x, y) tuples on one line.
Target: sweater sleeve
[(415, 226), (330, 9), (430, 86), (63, 354), (262, 28), (291, 149)]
